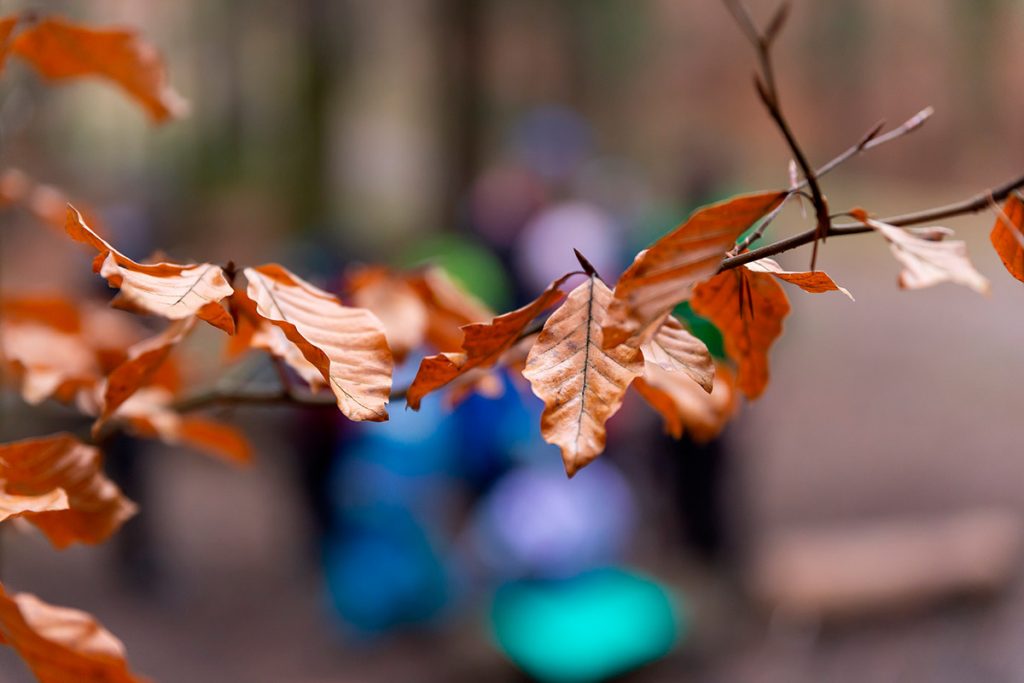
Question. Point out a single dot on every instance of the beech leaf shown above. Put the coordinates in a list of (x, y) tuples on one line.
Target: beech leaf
[(346, 345), (1007, 236), (96, 506), (748, 308), (166, 289), (814, 282), (449, 308), (482, 346), (395, 303), (675, 350), (15, 506), (665, 274), (928, 262), (59, 49), (60, 644), (581, 383), (684, 406)]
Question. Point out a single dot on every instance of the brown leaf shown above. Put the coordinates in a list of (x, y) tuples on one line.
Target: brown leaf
[(60, 644), (7, 26), (814, 282), (684, 405), (482, 346), (395, 303), (748, 308), (449, 308), (664, 275), (48, 363), (166, 289), (149, 414), (59, 49), (144, 359), (928, 262), (347, 345), (675, 350), (15, 506), (1008, 235), (97, 507), (581, 383)]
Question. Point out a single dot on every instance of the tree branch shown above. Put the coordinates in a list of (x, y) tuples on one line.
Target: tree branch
[(974, 204)]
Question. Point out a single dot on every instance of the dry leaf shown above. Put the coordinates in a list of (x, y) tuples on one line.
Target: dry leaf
[(928, 262), (664, 275), (449, 308), (748, 308), (581, 383), (684, 405), (47, 362), (144, 359), (15, 506), (395, 303), (165, 289), (59, 49), (482, 346), (149, 414), (59, 644), (814, 282), (675, 350), (97, 507), (347, 345), (1007, 236)]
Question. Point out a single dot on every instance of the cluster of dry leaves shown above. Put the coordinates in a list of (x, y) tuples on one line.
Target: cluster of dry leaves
[(596, 342)]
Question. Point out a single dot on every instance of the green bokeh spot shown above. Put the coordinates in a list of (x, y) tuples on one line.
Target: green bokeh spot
[(703, 329), (471, 264), (587, 628)]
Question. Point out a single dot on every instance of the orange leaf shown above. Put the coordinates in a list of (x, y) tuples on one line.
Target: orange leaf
[(1008, 236), (664, 275), (675, 350), (347, 345), (96, 506), (166, 289), (15, 506), (814, 282), (7, 25), (748, 308), (149, 414), (144, 359), (482, 346), (395, 303), (685, 406), (59, 49), (449, 308), (581, 383), (928, 262), (60, 644)]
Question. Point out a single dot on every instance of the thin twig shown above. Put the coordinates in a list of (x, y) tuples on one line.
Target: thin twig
[(975, 204)]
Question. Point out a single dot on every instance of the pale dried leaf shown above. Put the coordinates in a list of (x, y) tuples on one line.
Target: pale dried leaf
[(581, 383), (814, 282), (675, 350), (928, 262), (684, 406), (15, 506), (395, 303), (166, 289), (347, 345)]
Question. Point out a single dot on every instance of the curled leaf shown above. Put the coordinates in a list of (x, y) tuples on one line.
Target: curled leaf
[(482, 346), (684, 406), (813, 282), (928, 262), (665, 274), (15, 506), (59, 49), (674, 349), (96, 506), (166, 289), (1008, 235), (581, 383), (346, 345), (748, 308), (449, 308), (60, 644)]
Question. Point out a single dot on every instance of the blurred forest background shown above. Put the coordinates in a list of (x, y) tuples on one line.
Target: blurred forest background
[(492, 136)]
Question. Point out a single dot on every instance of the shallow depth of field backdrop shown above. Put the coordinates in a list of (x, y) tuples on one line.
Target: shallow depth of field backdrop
[(493, 136)]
